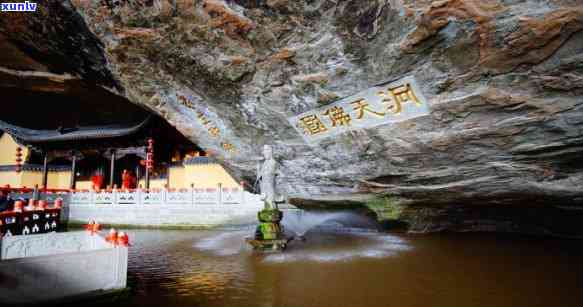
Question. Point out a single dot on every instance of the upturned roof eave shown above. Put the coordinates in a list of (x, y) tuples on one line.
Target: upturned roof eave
[(37, 137)]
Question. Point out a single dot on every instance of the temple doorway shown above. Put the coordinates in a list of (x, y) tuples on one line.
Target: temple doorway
[(131, 163), (93, 168)]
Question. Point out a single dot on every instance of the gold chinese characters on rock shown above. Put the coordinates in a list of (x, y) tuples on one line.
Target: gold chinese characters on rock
[(385, 104), (212, 129)]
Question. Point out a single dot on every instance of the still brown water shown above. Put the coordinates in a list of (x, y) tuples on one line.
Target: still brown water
[(202, 268)]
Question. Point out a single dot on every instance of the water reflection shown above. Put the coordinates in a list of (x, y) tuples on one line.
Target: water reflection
[(214, 268), (333, 247)]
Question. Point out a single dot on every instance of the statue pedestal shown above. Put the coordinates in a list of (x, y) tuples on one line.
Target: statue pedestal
[(269, 235)]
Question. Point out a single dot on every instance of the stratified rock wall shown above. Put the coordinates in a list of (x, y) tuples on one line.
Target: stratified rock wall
[(503, 79), (53, 39)]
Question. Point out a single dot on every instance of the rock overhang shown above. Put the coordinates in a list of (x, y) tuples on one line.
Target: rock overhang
[(505, 100)]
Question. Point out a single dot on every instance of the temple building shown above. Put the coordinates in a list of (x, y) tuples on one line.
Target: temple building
[(31, 173), (122, 145)]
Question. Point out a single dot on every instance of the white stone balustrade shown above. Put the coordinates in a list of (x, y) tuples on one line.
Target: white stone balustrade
[(216, 196), (185, 207)]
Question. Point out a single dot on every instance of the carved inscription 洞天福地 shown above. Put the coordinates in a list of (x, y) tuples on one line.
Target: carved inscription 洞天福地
[(212, 129), (384, 104)]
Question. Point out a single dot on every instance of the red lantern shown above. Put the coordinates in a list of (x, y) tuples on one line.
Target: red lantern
[(18, 159), (31, 205), (42, 205), (112, 236), (18, 206), (93, 227), (123, 239)]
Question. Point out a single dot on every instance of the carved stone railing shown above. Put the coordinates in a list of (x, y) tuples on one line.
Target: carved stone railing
[(192, 197)]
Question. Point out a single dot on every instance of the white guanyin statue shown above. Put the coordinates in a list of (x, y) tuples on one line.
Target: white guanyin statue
[(266, 175)]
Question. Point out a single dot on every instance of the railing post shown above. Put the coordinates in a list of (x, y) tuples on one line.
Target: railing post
[(114, 195), (192, 194), (220, 195), (139, 196), (164, 196), (242, 192)]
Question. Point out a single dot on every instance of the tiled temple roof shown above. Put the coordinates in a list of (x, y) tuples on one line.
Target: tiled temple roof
[(31, 136)]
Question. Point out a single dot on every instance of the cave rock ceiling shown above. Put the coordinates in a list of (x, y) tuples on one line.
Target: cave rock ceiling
[(502, 80)]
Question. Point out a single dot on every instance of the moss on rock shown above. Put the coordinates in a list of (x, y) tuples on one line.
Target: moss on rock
[(386, 208)]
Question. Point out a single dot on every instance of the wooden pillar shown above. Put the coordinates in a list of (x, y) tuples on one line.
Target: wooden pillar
[(147, 177), (137, 175), (112, 168), (45, 170), (73, 171)]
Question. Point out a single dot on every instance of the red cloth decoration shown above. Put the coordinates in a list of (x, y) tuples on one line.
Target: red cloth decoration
[(128, 181), (97, 181)]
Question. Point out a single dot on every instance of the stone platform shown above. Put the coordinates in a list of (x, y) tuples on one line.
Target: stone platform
[(48, 267)]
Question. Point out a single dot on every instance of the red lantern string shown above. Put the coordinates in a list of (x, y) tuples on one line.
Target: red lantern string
[(150, 154), (18, 159)]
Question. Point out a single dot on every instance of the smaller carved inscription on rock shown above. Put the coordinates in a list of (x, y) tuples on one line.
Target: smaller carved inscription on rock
[(208, 124), (384, 104)]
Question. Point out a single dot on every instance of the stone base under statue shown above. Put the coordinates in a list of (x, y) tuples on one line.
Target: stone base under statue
[(269, 235), (276, 245)]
